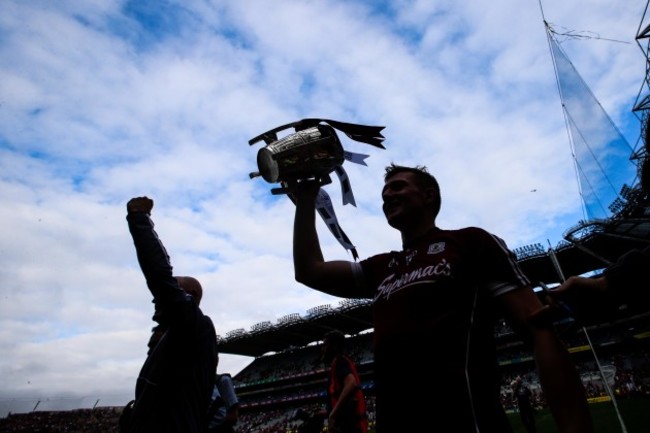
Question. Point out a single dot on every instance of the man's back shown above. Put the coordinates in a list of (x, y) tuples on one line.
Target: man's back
[(175, 382)]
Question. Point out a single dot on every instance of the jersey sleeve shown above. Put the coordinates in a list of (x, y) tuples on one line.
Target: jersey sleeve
[(497, 264)]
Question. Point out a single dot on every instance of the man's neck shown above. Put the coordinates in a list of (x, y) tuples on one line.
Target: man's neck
[(412, 233)]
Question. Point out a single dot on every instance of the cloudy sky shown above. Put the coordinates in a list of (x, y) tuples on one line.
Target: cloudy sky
[(101, 101)]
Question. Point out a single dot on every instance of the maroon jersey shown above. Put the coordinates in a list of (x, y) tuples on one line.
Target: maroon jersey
[(434, 313), (352, 416)]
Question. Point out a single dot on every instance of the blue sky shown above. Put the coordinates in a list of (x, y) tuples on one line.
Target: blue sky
[(101, 101)]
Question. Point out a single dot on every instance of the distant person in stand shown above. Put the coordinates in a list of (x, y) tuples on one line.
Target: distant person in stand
[(173, 389), (346, 406), (224, 409), (435, 303), (524, 398)]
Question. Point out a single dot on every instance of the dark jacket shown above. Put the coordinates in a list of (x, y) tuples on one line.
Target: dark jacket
[(175, 383)]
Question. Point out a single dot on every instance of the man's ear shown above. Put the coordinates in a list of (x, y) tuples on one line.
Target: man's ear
[(430, 194)]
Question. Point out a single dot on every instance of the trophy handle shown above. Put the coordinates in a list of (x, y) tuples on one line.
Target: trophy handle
[(324, 180), (278, 191), (288, 188)]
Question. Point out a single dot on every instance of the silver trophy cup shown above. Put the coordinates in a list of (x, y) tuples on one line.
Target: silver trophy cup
[(311, 153)]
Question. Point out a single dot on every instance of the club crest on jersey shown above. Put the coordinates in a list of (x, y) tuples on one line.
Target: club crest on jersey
[(436, 248)]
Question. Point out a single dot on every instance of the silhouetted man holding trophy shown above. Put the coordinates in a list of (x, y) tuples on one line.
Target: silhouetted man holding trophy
[(435, 303)]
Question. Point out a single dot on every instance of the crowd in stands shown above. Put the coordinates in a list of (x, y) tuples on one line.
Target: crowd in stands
[(100, 419), (299, 362), (286, 421)]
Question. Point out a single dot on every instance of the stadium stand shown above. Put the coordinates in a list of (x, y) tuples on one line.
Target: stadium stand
[(80, 420)]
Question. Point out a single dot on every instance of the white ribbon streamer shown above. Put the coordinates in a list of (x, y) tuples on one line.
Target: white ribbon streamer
[(346, 188), (357, 158), (326, 210)]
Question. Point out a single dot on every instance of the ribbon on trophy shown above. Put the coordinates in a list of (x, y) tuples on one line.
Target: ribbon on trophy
[(313, 152), (346, 188), (326, 211)]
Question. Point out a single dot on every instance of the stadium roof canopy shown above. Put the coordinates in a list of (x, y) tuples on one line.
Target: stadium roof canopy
[(352, 317), (589, 247)]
